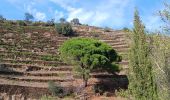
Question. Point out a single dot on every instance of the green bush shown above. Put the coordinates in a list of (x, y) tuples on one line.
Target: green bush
[(21, 23), (64, 29)]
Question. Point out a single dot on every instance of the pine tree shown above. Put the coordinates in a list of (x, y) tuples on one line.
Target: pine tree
[(141, 83)]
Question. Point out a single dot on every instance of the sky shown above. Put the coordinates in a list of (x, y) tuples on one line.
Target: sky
[(115, 14)]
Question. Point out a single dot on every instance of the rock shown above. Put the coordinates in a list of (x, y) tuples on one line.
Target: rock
[(9, 35)]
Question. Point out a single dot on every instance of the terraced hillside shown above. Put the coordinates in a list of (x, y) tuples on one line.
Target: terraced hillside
[(29, 60)]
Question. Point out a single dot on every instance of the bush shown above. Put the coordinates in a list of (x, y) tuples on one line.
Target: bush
[(21, 23), (107, 29), (64, 29), (55, 89)]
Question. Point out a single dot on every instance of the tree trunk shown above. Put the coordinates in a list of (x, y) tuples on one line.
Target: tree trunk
[(85, 82)]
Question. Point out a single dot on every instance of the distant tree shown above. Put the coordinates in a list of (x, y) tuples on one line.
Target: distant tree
[(125, 29), (62, 20), (51, 22), (142, 86), (75, 21), (64, 28), (2, 18), (28, 17), (88, 54)]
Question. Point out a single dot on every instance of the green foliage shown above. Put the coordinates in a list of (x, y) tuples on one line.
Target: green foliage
[(122, 93), (64, 29), (48, 98), (160, 60), (21, 23), (55, 89), (142, 86), (49, 58), (87, 54)]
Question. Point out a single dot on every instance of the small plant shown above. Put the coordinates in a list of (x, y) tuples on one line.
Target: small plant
[(47, 98), (64, 29), (49, 58), (55, 89), (122, 93), (99, 89)]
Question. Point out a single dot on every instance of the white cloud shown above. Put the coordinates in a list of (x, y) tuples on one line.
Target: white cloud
[(40, 16), (101, 13), (58, 15), (153, 22), (31, 9)]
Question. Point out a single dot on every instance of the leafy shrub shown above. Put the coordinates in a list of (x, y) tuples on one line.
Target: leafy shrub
[(21, 23), (64, 29), (55, 89)]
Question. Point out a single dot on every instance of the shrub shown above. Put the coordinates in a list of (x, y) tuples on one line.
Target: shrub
[(21, 23), (64, 29), (107, 29), (55, 89)]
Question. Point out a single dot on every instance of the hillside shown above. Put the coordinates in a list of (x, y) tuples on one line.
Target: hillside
[(29, 60)]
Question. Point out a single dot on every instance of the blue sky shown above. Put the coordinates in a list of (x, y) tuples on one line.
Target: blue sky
[(111, 13)]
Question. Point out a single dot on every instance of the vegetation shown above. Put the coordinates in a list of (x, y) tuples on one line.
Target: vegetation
[(64, 29), (55, 89), (87, 54), (28, 17), (143, 88), (75, 21), (2, 18), (160, 57)]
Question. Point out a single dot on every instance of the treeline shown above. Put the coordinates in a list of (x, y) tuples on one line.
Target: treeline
[(29, 21)]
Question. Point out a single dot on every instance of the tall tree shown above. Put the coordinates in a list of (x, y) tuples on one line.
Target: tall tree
[(87, 54), (140, 74)]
